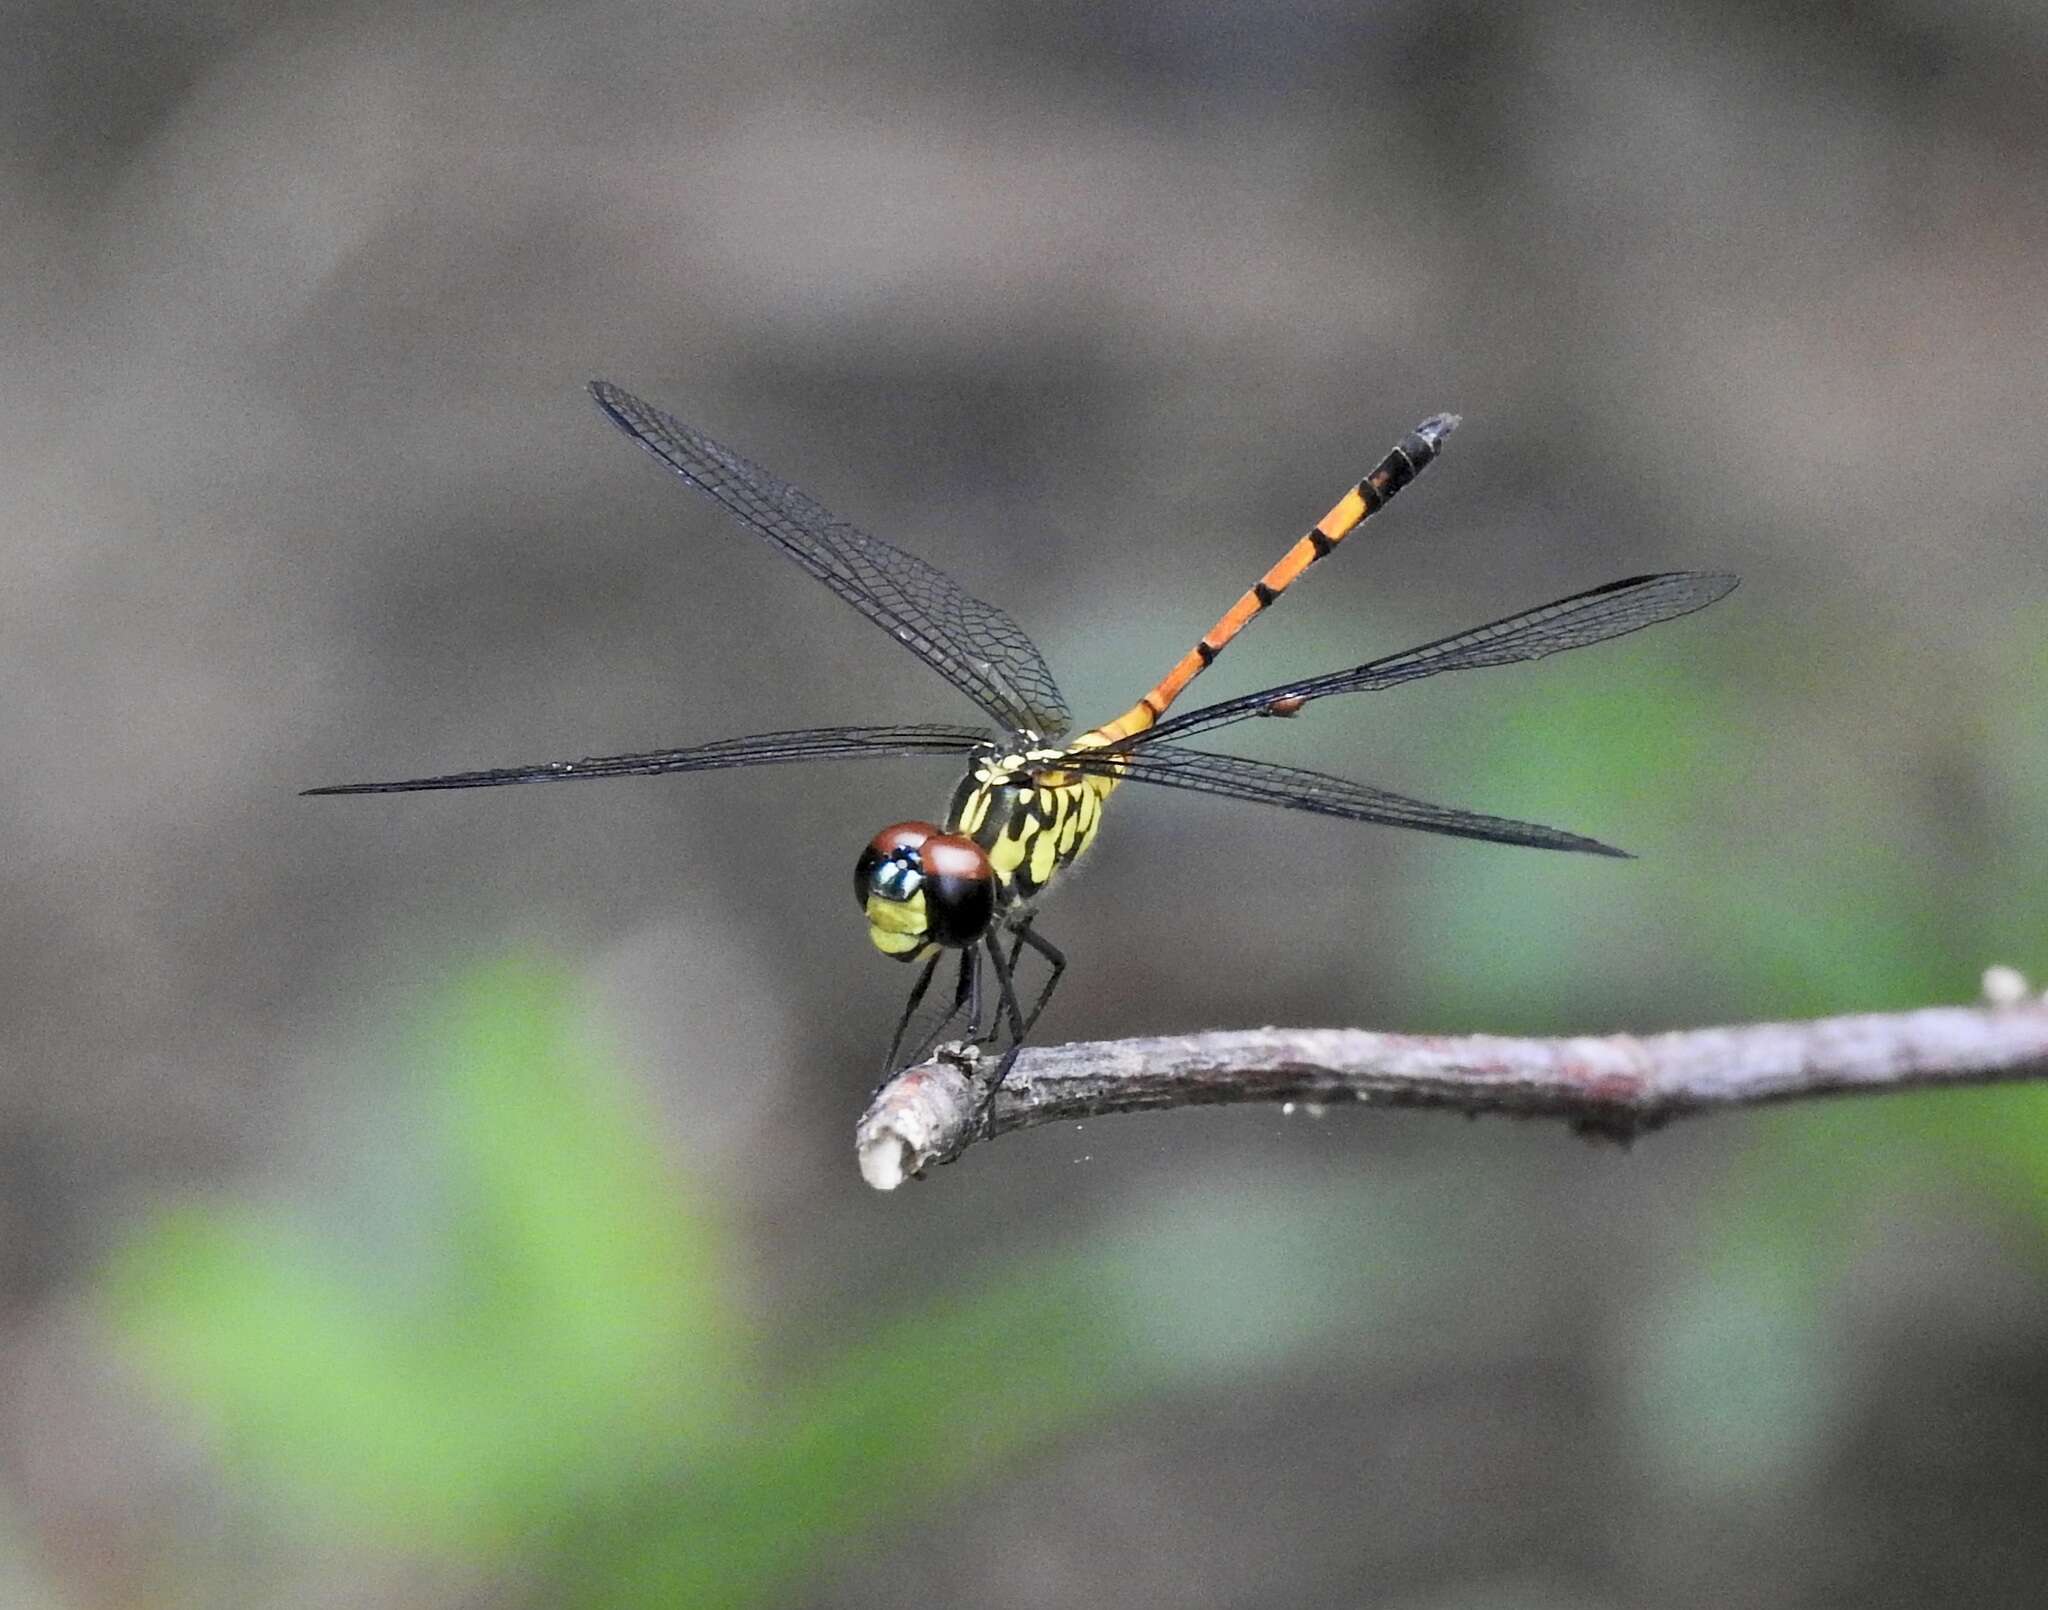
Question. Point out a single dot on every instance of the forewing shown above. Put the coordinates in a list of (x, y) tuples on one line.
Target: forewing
[(975, 646), (1264, 783), (762, 749), (1585, 618)]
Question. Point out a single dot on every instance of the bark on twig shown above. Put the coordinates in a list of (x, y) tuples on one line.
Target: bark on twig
[(1615, 1085)]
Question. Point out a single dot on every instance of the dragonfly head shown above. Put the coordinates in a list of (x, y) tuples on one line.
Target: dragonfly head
[(920, 887)]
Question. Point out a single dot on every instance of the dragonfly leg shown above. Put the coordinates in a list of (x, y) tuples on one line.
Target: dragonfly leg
[(1055, 958), (924, 982), (1006, 993), (1019, 1024), (966, 994)]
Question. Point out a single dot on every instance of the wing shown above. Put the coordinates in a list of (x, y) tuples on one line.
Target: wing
[(1614, 610), (763, 749), (1266, 784), (975, 646)]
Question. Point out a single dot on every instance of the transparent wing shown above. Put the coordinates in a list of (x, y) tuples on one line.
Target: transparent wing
[(1264, 783), (1614, 610), (975, 646), (763, 749)]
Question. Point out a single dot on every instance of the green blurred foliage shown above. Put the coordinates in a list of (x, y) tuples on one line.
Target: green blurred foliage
[(572, 1389), (575, 1314)]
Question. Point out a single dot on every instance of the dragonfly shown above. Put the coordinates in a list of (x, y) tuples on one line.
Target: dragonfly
[(1031, 799)]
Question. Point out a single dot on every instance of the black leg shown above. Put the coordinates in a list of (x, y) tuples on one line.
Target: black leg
[(924, 982), (1018, 1025), (1055, 957), (967, 993), (1007, 997)]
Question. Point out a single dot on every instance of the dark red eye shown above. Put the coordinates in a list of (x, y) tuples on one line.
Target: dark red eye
[(902, 836), (960, 889), (897, 846)]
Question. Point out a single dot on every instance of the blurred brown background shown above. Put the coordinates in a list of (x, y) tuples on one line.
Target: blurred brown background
[(1096, 306)]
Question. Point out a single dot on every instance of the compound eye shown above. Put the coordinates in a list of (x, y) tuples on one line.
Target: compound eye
[(893, 856), (960, 889)]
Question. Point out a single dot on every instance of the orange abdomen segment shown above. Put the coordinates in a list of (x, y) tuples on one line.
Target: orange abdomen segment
[(1408, 459)]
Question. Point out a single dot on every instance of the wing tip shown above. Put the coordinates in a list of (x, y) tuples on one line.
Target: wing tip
[(1533, 836), (1714, 585)]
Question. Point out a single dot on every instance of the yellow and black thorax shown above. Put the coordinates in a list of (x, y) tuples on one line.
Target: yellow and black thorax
[(1030, 823)]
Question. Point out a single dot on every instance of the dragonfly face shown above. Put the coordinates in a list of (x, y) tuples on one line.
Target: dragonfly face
[(920, 888)]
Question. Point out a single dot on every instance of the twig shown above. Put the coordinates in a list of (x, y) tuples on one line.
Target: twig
[(1615, 1085)]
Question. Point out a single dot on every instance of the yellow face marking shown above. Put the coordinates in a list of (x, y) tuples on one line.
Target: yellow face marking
[(892, 920)]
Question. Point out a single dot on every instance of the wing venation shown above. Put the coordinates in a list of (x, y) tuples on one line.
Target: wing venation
[(761, 749), (1594, 616), (975, 646), (1264, 783)]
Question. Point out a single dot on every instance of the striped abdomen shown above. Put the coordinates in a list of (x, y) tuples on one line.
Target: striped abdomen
[(1408, 460)]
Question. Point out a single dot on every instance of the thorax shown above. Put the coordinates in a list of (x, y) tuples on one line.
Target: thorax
[(1030, 827)]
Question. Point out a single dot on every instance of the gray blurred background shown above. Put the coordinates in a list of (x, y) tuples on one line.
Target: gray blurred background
[(1096, 306)]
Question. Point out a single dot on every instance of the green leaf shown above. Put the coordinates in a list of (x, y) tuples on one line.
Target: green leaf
[(573, 1321), (578, 1241), (301, 1375)]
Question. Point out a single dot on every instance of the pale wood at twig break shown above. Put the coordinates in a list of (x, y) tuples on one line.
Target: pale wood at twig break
[(1616, 1085)]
